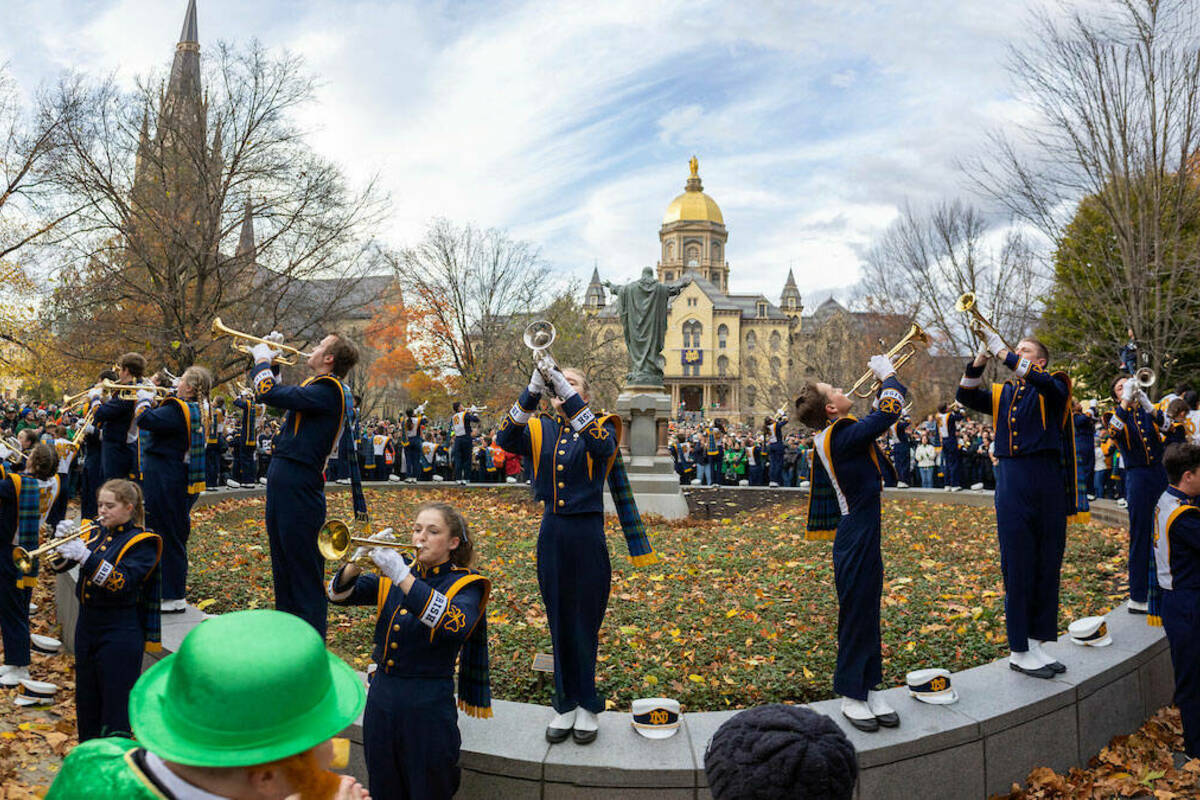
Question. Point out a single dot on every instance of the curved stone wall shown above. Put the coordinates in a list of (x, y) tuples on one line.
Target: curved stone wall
[(1004, 724)]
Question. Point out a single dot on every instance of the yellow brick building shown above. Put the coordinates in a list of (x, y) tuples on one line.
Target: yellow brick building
[(726, 353)]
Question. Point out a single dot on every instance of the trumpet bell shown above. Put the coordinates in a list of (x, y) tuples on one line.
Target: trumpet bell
[(22, 560), (333, 540), (1145, 377), (965, 302), (539, 334)]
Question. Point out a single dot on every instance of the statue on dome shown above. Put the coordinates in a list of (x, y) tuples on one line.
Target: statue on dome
[(694, 163), (643, 312)]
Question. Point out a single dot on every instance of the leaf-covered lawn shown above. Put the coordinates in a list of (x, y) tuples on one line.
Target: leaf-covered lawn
[(741, 611)]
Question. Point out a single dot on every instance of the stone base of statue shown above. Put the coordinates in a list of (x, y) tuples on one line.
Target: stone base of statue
[(644, 412)]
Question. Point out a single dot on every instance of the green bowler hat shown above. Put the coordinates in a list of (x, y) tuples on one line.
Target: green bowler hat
[(245, 688)]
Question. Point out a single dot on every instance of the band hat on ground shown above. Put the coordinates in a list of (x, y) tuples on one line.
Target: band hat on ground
[(656, 717), (1090, 631), (36, 693), (932, 686), (44, 644)]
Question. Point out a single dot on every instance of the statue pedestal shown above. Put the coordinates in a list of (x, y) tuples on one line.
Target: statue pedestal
[(644, 412)]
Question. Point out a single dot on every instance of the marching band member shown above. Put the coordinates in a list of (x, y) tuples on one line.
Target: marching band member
[(1033, 494), (573, 453), (244, 443), (119, 600), (947, 426), (318, 412), (1134, 425), (93, 461), (846, 490), (461, 422), (245, 709), (117, 418), (173, 473), (65, 449), (212, 444), (1175, 431), (414, 424), (901, 453), (1085, 448), (21, 501), (427, 611), (1177, 561), (379, 446), (776, 447)]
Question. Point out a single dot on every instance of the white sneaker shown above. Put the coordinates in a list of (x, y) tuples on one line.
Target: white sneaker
[(263, 480), (1138, 608), (232, 484), (977, 486), (33, 607), (510, 480), (956, 488), (901, 485), (176, 606), (344, 481), (1091, 497), (1123, 503), (695, 481), (14, 676), (805, 484), (945, 488), (394, 478), (774, 484)]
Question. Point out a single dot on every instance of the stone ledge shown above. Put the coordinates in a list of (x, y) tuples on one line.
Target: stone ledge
[(1003, 726)]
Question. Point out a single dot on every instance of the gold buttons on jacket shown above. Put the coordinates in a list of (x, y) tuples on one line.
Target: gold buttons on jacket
[(403, 611), (561, 485), (395, 627), (560, 467), (391, 663), (562, 452), (562, 502), (394, 645)]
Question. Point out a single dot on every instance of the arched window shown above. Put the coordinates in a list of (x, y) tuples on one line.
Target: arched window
[(776, 366), (670, 276), (692, 255), (722, 334), (716, 252), (752, 366), (669, 251), (751, 340), (691, 333), (751, 396), (723, 366), (776, 340)]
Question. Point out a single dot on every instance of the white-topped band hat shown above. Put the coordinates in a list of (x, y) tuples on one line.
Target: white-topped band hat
[(36, 693), (1090, 631), (44, 644), (931, 686), (656, 717)]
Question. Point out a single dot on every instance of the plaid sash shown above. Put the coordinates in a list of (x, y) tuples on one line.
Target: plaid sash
[(474, 671), (824, 510), (349, 424), (195, 418), (641, 553), (29, 521), (150, 606), (1074, 488)]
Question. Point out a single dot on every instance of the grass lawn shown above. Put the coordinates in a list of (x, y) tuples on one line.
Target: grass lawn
[(741, 611)]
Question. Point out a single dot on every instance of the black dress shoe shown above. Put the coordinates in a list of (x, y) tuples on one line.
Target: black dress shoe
[(556, 735), (1057, 667), (583, 737), (866, 725), (888, 720), (1133, 610), (1040, 672)]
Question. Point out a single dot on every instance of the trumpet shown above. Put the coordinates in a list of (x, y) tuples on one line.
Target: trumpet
[(905, 349), (72, 400), (967, 304), (476, 409), (23, 559), (335, 542), (129, 391), (538, 337), (15, 455), (1145, 378), (221, 329)]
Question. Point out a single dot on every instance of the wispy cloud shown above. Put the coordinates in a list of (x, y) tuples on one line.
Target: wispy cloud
[(571, 124)]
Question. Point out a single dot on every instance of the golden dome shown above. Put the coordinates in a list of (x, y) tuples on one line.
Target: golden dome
[(693, 205)]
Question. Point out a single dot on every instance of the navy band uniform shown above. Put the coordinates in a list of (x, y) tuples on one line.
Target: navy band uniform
[(1030, 499), (1135, 432), (570, 460), (1177, 558), (245, 443), (461, 456), (410, 725), (316, 413), (776, 450), (117, 450)]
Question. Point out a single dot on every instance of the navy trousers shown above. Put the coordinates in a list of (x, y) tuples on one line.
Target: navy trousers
[(1143, 487), (951, 467), (212, 466), (776, 452), (412, 459), (1181, 622), (410, 738), (93, 478), (117, 459), (858, 576), (900, 457), (381, 468), (168, 513), (295, 512), (108, 660), (1031, 522), (58, 511), (574, 576), (14, 615), (461, 455), (244, 468)]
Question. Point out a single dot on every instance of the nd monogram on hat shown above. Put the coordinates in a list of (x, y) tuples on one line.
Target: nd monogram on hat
[(656, 717)]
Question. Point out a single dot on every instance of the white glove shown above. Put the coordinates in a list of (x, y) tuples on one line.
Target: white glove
[(1129, 390), (359, 553), (562, 387), (537, 384), (95, 395), (994, 343), (89, 430), (983, 351), (4, 452), (65, 528), (145, 396), (1147, 406), (74, 550), (274, 336), (263, 353), (385, 535), (881, 366), (390, 564)]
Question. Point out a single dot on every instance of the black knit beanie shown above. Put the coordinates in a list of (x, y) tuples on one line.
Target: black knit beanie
[(776, 752)]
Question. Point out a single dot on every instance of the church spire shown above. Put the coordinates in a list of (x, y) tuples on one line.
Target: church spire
[(184, 87), (594, 298), (247, 250), (789, 301), (190, 33)]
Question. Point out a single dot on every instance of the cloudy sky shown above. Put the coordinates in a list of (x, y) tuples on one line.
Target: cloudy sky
[(571, 124)]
